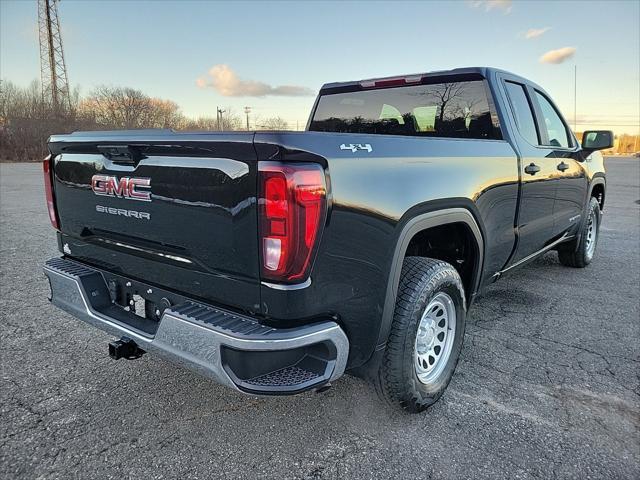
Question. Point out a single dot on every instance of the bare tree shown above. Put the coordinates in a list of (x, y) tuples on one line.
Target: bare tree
[(274, 123), (26, 122), (444, 94), (162, 114), (200, 123), (466, 108), (118, 107), (230, 121)]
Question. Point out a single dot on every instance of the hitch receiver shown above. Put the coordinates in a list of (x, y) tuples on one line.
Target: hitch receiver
[(125, 348)]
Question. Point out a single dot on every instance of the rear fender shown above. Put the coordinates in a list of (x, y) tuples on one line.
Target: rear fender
[(412, 227)]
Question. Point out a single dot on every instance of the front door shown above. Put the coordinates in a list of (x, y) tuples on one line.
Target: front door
[(538, 171), (572, 184)]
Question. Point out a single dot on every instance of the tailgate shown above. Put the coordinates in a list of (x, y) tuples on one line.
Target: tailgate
[(174, 209)]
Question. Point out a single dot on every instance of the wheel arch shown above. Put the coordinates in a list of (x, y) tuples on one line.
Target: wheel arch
[(598, 189), (597, 185), (412, 225)]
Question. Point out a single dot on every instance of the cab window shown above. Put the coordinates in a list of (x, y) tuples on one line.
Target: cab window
[(557, 131), (522, 112)]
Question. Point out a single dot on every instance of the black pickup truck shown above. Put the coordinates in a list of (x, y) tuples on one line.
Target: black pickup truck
[(273, 262)]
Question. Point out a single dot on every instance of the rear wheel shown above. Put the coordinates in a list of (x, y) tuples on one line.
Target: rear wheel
[(426, 334), (579, 253)]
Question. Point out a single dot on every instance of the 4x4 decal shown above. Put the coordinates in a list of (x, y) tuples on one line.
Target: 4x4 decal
[(354, 147)]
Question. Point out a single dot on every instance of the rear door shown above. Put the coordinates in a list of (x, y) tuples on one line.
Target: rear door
[(572, 181), (538, 172), (180, 212)]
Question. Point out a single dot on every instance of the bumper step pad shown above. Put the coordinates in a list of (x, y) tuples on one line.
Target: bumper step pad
[(285, 376), (230, 322)]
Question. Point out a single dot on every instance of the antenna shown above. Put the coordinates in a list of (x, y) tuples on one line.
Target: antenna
[(53, 72)]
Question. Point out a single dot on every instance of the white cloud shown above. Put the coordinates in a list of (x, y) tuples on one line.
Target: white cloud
[(558, 56), (227, 83), (488, 5), (536, 32)]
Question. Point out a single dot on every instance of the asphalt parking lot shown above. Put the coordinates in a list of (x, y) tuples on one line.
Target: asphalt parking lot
[(547, 386)]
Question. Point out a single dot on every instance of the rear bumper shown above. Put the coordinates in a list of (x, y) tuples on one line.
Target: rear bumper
[(233, 349)]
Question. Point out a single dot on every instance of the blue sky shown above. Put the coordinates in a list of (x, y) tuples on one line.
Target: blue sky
[(163, 47)]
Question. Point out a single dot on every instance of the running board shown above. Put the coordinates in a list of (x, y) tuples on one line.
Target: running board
[(528, 258)]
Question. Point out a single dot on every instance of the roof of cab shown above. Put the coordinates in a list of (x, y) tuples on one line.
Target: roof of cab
[(483, 71)]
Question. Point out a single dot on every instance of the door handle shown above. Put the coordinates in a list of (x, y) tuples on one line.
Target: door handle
[(532, 169), (563, 166)]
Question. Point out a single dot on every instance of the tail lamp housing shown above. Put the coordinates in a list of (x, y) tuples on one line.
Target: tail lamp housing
[(48, 190), (293, 208)]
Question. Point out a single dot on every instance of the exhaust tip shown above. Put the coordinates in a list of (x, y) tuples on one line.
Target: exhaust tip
[(125, 348)]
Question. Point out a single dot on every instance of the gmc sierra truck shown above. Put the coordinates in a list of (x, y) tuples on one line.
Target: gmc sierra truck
[(274, 262)]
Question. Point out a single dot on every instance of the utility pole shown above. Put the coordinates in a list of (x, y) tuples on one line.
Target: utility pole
[(220, 112), (247, 111), (53, 71)]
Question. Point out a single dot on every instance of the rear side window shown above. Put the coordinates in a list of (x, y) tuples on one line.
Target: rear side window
[(454, 110), (522, 112), (556, 128)]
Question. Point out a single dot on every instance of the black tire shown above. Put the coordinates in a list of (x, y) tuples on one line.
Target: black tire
[(421, 281), (580, 252)]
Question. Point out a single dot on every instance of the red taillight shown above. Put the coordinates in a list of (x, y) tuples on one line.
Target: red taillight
[(292, 212), (48, 189)]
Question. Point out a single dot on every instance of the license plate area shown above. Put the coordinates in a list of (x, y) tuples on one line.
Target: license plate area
[(138, 298), (135, 304)]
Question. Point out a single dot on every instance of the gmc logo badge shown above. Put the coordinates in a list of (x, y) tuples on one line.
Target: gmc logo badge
[(125, 187)]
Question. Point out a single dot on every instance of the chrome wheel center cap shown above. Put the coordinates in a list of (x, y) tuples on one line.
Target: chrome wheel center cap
[(426, 336), (429, 336)]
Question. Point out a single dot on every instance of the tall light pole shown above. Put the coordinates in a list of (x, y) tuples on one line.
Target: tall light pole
[(575, 97), (247, 111)]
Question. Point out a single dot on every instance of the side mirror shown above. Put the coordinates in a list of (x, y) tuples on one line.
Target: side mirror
[(597, 140)]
